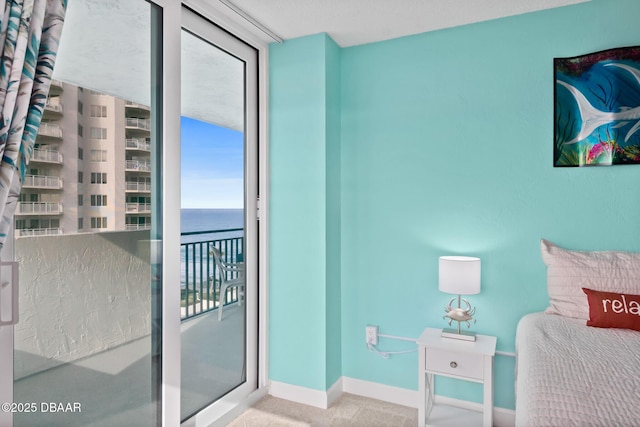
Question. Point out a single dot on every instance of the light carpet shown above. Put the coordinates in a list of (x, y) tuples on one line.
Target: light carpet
[(347, 410)]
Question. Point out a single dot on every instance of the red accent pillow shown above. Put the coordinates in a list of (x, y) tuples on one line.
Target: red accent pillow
[(613, 310)]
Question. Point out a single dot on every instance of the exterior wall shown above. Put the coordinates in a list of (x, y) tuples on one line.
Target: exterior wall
[(117, 196), (80, 295), (114, 145), (71, 162), (77, 113)]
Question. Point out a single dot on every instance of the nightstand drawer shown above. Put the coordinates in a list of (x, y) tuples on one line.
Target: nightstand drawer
[(466, 365)]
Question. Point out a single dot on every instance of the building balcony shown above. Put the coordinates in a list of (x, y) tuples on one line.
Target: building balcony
[(137, 166), (49, 130), (56, 87), (45, 182), (46, 156), (130, 105), (141, 124), (133, 227), (53, 108), (38, 208), (140, 144), (138, 187), (26, 232), (138, 208)]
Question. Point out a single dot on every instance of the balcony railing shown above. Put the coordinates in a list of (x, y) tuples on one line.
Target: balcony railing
[(138, 123), (25, 232), (131, 227), (200, 276), (137, 207), (47, 129), (53, 106), (56, 84), (140, 187), (137, 165), (136, 105), (138, 144), (56, 87), (39, 181), (48, 156), (38, 208)]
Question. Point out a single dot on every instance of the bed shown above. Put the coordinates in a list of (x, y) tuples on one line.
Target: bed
[(570, 374), (577, 364)]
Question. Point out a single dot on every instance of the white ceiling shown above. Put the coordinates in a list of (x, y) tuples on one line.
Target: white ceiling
[(353, 22)]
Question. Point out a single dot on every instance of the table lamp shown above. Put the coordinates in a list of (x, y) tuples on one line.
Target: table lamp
[(459, 275)]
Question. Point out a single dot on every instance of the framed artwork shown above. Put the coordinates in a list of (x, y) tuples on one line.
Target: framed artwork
[(597, 108)]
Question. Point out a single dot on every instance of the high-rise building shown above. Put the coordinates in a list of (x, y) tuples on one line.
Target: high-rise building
[(90, 170)]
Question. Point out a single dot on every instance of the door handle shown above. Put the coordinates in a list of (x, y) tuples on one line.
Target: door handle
[(8, 293)]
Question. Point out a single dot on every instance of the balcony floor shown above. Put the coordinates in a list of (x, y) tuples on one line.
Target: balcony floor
[(114, 387)]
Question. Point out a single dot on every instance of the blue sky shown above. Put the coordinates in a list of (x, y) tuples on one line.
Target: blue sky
[(212, 163)]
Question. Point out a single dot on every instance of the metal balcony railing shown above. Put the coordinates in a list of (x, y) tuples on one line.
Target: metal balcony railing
[(137, 165), (132, 227), (138, 144), (53, 106), (48, 156), (38, 208), (140, 187), (25, 232), (47, 129), (200, 285), (39, 181), (137, 207), (138, 123)]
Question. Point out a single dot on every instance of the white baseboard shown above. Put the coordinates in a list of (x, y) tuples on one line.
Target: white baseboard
[(387, 393), (335, 391), (400, 396), (307, 396)]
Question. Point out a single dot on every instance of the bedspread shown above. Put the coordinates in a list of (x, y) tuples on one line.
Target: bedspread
[(569, 374)]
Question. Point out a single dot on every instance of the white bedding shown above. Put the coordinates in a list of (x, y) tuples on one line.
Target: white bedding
[(570, 374)]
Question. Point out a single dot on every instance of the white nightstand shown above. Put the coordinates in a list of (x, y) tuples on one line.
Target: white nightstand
[(465, 360)]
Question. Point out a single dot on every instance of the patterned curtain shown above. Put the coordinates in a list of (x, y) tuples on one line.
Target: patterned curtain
[(29, 41)]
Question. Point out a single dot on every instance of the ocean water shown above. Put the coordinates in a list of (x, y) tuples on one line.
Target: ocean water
[(209, 220), (206, 220)]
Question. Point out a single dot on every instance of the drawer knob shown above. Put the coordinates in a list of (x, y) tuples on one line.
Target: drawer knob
[(453, 364)]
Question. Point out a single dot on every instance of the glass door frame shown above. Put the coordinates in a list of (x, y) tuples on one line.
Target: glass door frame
[(204, 29), (6, 346), (168, 88), (226, 19)]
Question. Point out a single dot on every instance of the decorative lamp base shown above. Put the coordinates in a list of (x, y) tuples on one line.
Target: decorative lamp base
[(458, 335)]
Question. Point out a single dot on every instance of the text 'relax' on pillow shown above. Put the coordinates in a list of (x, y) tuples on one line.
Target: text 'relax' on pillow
[(569, 271), (613, 310)]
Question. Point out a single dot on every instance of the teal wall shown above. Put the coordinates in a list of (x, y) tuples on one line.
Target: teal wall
[(446, 148), (305, 270), (333, 212)]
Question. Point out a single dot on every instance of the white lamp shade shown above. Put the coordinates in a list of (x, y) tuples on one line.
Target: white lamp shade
[(459, 275)]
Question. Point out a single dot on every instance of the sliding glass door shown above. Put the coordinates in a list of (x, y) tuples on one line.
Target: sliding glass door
[(138, 295), (87, 348), (218, 218)]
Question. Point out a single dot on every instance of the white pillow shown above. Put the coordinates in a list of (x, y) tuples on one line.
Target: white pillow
[(570, 271)]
